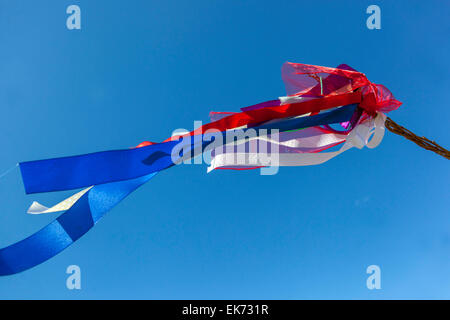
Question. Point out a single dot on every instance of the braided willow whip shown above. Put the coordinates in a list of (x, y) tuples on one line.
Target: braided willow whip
[(420, 141)]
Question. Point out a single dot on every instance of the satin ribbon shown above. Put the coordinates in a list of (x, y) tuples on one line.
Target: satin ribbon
[(95, 168), (129, 169), (358, 137), (311, 139), (37, 208), (67, 228), (110, 176), (103, 167)]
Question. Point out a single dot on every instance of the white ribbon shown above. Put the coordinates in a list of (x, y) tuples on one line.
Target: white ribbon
[(358, 137), (37, 208)]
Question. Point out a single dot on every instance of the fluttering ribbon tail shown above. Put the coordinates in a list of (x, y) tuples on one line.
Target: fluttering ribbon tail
[(68, 227), (297, 131)]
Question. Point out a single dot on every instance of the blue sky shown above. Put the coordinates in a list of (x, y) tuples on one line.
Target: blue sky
[(139, 69)]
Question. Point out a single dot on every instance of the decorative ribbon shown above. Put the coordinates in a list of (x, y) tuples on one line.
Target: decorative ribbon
[(108, 166), (67, 228), (358, 137), (115, 174), (320, 96), (254, 118), (191, 146)]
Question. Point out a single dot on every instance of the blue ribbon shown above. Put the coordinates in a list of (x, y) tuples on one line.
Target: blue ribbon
[(68, 227), (108, 166), (115, 175)]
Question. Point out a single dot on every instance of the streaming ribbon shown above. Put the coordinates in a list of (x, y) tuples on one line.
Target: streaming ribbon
[(297, 130)]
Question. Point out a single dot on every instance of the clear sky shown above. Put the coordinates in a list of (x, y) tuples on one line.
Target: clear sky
[(139, 69)]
